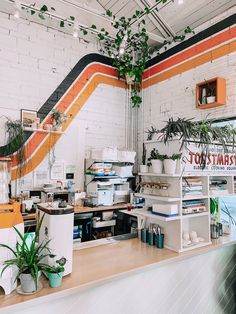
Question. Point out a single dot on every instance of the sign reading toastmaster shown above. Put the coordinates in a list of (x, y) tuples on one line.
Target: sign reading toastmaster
[(214, 159)]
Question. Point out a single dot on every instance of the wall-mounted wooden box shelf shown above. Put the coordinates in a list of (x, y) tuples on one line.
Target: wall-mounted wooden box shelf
[(216, 87)]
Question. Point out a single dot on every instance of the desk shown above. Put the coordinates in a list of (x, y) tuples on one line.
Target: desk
[(81, 210)]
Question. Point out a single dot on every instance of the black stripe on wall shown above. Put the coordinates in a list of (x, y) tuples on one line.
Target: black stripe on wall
[(60, 91), (216, 28)]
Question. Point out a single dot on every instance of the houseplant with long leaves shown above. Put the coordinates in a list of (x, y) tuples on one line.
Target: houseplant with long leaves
[(28, 258)]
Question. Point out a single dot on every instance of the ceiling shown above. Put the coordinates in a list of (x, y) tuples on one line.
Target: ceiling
[(166, 20)]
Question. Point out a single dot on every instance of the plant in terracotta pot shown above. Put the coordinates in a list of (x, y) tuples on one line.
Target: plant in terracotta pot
[(58, 118), (156, 161), (55, 273), (27, 257), (170, 163)]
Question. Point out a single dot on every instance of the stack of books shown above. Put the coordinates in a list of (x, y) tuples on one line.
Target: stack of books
[(218, 187), (193, 207), (192, 187)]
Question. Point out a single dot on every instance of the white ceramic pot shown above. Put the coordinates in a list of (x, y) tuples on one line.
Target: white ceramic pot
[(169, 166), (27, 283), (211, 99), (143, 168), (157, 166)]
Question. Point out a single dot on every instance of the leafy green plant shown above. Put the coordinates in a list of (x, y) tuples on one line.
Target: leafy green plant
[(203, 133), (151, 132), (155, 155), (28, 257), (58, 117), (129, 49), (15, 140), (58, 267), (173, 157)]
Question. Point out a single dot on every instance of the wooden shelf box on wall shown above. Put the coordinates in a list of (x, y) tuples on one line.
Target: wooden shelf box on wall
[(211, 93)]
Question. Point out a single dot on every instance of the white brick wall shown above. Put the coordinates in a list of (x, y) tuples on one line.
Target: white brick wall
[(175, 97), (34, 60)]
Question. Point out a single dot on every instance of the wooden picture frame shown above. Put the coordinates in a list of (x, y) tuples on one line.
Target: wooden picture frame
[(29, 118)]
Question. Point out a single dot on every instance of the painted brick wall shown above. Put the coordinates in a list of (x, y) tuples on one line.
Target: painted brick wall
[(34, 60), (175, 97)]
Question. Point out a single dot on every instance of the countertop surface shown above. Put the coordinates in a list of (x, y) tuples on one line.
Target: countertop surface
[(99, 264), (81, 210)]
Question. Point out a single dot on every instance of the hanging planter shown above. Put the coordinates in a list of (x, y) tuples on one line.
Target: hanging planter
[(130, 79)]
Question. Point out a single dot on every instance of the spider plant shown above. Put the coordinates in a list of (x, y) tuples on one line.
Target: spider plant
[(28, 257)]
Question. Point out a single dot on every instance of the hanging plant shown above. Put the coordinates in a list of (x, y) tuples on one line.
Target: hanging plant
[(129, 49), (204, 133), (15, 140)]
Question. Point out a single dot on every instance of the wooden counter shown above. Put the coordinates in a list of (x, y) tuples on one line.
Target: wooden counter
[(81, 210), (97, 265)]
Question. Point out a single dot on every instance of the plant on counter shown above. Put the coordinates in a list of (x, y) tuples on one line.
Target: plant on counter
[(58, 119), (55, 273), (156, 161), (170, 163), (27, 257), (143, 167)]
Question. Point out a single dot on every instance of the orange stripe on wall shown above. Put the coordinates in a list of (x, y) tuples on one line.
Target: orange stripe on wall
[(191, 52), (82, 80), (188, 65), (65, 102), (73, 111)]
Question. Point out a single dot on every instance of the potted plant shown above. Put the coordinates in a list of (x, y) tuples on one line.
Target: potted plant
[(55, 273), (27, 257), (210, 93), (58, 118), (143, 166), (170, 163), (156, 161)]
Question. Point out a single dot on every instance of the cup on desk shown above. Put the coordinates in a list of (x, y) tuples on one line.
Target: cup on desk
[(144, 235), (160, 241)]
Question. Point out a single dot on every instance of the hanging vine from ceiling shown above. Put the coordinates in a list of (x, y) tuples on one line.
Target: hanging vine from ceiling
[(129, 48)]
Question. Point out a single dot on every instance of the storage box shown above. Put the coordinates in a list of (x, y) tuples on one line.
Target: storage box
[(126, 156), (107, 215), (123, 171), (106, 153), (165, 209)]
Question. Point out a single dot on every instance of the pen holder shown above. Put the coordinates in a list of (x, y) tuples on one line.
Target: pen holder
[(220, 227), (144, 235), (151, 238), (160, 241), (214, 231)]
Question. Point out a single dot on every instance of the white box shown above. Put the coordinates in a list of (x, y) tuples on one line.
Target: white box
[(166, 209), (123, 171), (105, 154), (126, 156)]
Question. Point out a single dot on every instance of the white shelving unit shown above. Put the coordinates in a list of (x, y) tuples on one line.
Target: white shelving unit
[(116, 185), (173, 227)]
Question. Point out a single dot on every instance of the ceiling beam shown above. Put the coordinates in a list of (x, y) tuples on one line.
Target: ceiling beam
[(157, 19), (151, 35)]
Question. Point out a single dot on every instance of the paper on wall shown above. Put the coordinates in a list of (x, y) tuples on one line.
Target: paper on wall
[(41, 177), (57, 171)]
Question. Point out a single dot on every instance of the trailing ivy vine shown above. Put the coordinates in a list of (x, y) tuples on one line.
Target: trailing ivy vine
[(129, 49)]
